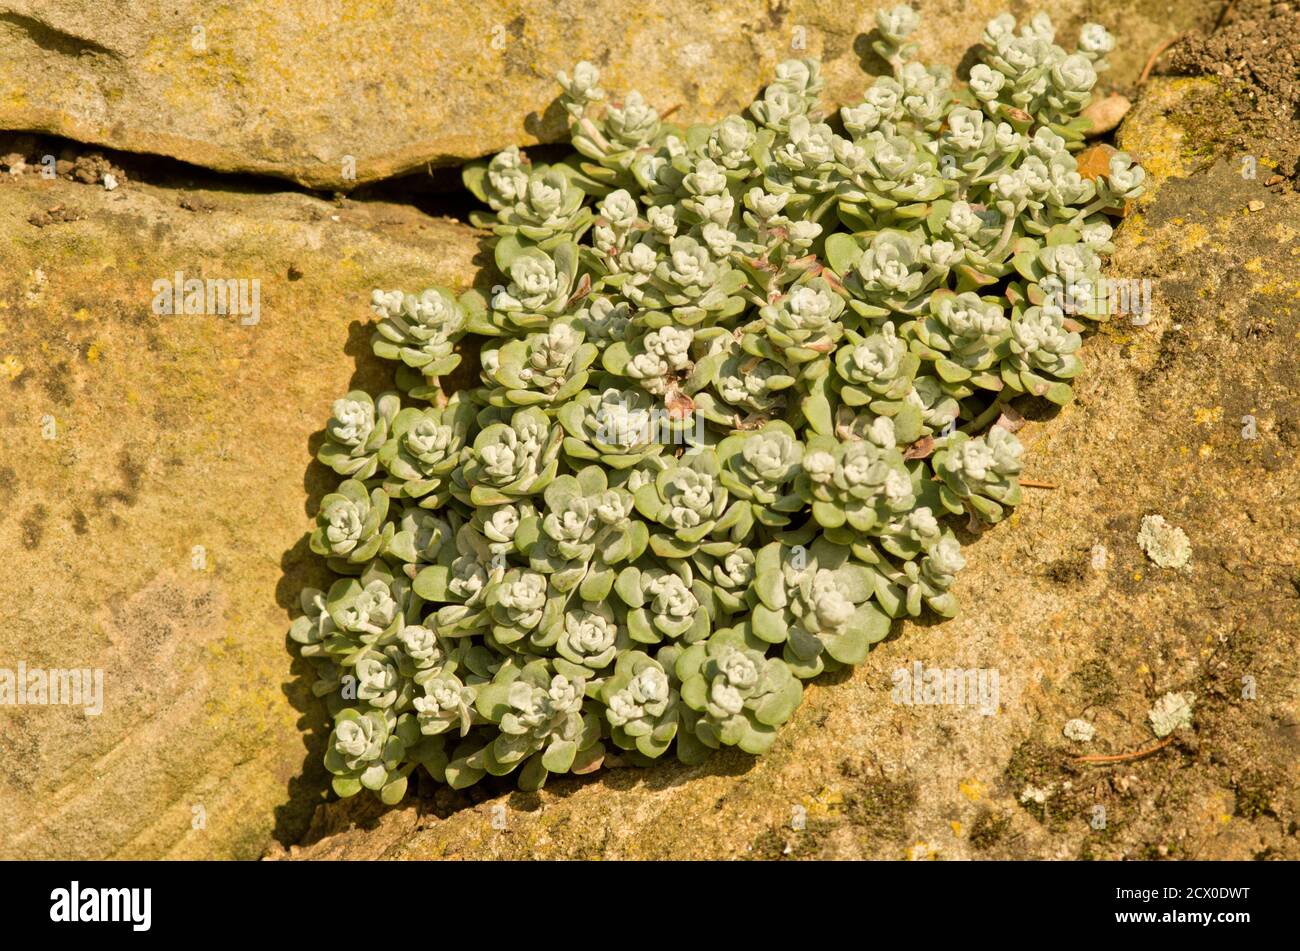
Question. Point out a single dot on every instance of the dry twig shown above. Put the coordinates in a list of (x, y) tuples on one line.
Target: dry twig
[(1156, 54), (1125, 757)]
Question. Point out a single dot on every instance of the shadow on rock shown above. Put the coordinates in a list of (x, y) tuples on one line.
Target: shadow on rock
[(307, 789)]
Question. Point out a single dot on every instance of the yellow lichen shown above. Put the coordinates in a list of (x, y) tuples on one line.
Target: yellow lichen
[(1194, 237)]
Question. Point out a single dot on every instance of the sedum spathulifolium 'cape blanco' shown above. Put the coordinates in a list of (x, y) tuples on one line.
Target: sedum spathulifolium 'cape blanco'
[(735, 386)]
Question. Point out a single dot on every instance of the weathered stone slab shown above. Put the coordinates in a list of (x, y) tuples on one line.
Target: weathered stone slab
[(333, 94), (154, 535)]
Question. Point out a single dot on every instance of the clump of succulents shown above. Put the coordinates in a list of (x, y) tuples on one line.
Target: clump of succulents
[(737, 384)]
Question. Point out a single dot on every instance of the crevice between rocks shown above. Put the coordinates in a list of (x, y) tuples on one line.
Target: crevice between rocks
[(435, 190)]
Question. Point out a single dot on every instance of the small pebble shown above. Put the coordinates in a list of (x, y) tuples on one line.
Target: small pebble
[(110, 181), (1255, 205), (1081, 731), (1105, 114)]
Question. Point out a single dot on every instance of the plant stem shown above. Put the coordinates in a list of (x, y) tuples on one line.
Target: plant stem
[(990, 414), (1098, 205), (1005, 238), (595, 135)]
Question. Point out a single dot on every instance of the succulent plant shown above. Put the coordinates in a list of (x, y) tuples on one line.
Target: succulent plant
[(542, 722), (665, 604), (539, 286), (961, 335), (817, 602), (738, 694), (357, 430), (522, 604), (352, 526), (423, 448), (730, 575), (876, 371), (854, 482), (547, 208), (689, 284), (367, 612), (981, 472), (745, 387), (618, 428), (446, 704), (800, 327), (511, 459), (928, 579), (366, 750), (641, 704), (760, 466), (500, 182), (687, 503), (421, 649), (590, 638), (889, 272), (1042, 354), (737, 383), (584, 532), (544, 368), (656, 361), (420, 331)]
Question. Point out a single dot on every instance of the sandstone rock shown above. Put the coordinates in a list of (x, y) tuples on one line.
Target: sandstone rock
[(1059, 602), (177, 432), (330, 96), (157, 534)]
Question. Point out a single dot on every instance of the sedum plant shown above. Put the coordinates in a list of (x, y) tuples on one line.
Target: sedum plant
[(734, 389)]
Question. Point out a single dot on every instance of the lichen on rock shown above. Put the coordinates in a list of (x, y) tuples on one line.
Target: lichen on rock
[(1166, 545)]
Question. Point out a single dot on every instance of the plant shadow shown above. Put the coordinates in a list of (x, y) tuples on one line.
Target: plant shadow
[(301, 568), (873, 64)]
